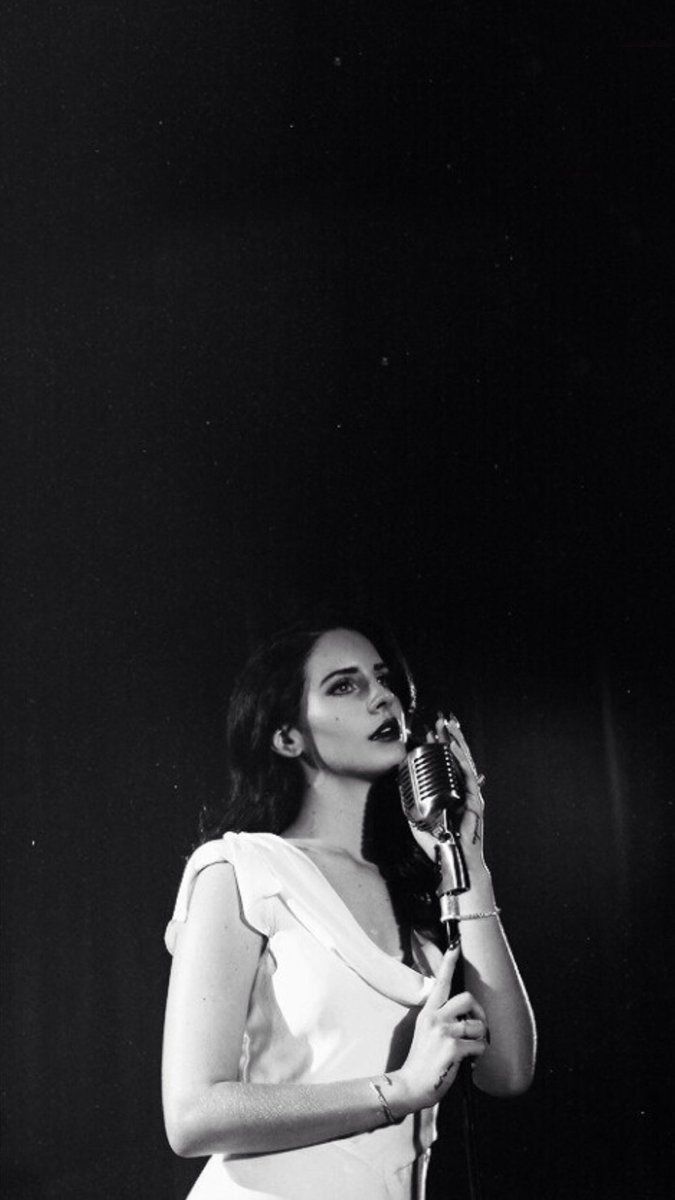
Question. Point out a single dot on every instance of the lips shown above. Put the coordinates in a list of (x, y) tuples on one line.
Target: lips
[(388, 731)]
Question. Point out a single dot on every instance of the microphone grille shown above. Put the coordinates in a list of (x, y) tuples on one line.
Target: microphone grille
[(429, 781)]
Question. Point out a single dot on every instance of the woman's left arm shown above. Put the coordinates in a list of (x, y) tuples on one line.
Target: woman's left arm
[(490, 972)]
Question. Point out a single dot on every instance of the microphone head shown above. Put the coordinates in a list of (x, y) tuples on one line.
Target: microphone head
[(430, 782)]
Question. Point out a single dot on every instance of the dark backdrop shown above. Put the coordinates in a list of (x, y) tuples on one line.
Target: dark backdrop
[(363, 301)]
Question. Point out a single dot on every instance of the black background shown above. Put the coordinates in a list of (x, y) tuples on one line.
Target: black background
[(358, 301)]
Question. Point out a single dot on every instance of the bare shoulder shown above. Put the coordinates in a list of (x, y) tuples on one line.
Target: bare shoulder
[(215, 887), (215, 917)]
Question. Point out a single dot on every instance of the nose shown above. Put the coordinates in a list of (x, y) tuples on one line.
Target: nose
[(380, 696)]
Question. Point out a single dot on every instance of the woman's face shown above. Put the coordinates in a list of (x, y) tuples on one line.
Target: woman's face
[(351, 720)]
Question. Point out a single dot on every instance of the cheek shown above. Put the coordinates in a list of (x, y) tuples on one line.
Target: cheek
[(322, 721), (328, 730), (331, 726)]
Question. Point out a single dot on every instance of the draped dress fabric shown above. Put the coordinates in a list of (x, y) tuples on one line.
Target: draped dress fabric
[(327, 1005)]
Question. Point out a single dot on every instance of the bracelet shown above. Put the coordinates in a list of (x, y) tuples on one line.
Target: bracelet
[(477, 916), (391, 1119)]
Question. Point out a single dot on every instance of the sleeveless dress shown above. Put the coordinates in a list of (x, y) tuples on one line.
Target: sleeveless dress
[(327, 1004)]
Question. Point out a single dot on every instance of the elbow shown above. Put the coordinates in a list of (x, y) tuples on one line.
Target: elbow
[(180, 1138), (508, 1072), (515, 1085), (524, 1079), (196, 1125), (506, 1087), (183, 1131), (506, 1081), (181, 1144)]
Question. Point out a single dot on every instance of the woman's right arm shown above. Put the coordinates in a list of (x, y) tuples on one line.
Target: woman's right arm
[(208, 1111)]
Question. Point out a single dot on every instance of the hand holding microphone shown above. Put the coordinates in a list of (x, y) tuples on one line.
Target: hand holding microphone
[(441, 798), (470, 818), (457, 794)]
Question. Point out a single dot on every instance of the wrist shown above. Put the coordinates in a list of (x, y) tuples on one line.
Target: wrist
[(480, 896), (398, 1094)]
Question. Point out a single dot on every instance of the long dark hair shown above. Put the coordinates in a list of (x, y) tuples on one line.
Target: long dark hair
[(265, 790)]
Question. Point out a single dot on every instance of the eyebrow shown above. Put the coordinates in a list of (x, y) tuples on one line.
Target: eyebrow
[(378, 666)]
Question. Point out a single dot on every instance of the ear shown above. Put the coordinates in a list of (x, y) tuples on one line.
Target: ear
[(288, 742)]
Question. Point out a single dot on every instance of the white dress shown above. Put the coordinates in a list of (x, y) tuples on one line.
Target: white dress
[(327, 1004)]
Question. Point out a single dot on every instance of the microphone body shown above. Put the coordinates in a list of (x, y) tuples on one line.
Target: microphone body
[(431, 785)]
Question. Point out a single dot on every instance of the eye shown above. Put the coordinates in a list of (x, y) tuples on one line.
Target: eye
[(341, 687), (384, 679)]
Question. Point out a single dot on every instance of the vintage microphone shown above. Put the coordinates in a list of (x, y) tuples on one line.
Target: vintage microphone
[(431, 787)]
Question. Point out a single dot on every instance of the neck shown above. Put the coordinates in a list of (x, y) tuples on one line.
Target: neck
[(333, 810)]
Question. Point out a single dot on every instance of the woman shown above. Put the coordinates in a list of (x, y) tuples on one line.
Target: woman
[(310, 1032)]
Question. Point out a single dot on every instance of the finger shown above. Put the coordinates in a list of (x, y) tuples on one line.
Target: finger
[(458, 736), (464, 1005), (465, 1048), (462, 758), (441, 727), (468, 768), (457, 733), (450, 730), (469, 1029), (455, 729), (443, 981), (438, 732)]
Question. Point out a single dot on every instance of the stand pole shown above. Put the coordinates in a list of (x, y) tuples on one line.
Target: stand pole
[(453, 881)]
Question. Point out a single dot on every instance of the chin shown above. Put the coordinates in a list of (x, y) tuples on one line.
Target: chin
[(395, 755)]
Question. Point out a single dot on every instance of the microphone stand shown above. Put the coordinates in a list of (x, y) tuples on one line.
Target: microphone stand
[(453, 880)]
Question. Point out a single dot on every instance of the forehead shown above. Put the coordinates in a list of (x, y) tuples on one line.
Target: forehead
[(338, 648)]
